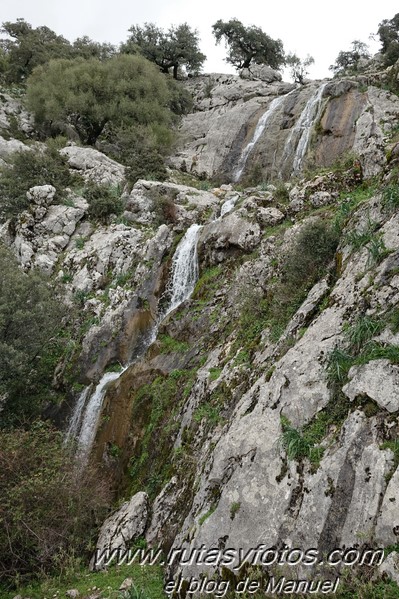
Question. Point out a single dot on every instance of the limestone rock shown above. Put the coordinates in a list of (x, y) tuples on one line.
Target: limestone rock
[(10, 147), (321, 198), (390, 566), (11, 108), (94, 166), (44, 231), (230, 233), (269, 217), (124, 526), (126, 584), (260, 72), (387, 528), (72, 593), (152, 202), (41, 195), (379, 380)]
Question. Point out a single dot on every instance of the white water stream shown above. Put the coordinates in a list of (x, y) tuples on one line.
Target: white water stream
[(259, 129), (184, 274), (303, 128)]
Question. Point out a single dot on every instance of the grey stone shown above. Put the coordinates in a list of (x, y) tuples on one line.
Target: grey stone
[(379, 380), (390, 566), (94, 166), (124, 526)]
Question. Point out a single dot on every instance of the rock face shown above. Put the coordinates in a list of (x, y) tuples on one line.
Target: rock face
[(378, 380), (302, 130), (200, 418), (123, 527), (94, 166)]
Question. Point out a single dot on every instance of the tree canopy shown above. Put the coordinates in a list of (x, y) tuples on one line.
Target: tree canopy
[(299, 67), (92, 94), (176, 48), (248, 44), (388, 31), (26, 47), (349, 61)]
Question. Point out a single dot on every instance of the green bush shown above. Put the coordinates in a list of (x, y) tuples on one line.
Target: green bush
[(104, 201), (48, 511), (32, 339), (313, 249), (30, 168)]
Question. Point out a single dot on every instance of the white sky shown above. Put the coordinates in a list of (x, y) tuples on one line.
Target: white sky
[(320, 29)]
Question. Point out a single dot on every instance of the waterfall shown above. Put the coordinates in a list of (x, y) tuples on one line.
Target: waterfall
[(228, 205), (259, 129), (89, 422), (184, 269), (184, 274), (303, 128)]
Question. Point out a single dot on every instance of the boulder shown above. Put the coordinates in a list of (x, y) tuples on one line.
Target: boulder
[(230, 233), (10, 147), (124, 526), (269, 217), (260, 72), (378, 380), (94, 166)]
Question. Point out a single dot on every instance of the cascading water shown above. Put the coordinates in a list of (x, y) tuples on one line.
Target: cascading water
[(84, 421), (259, 129), (301, 131), (184, 270), (228, 205)]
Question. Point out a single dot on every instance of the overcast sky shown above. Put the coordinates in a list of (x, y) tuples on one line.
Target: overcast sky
[(320, 29)]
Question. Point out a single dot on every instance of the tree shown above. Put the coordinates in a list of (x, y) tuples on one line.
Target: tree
[(26, 48), (91, 95), (248, 44), (299, 67), (349, 62), (27, 169), (84, 47), (174, 49), (388, 31)]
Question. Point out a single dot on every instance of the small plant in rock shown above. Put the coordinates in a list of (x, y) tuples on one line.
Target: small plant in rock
[(234, 509), (293, 442), (370, 239), (363, 329), (133, 593), (28, 169), (104, 201), (390, 198)]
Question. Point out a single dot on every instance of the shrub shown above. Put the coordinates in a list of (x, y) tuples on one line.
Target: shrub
[(47, 509), (313, 250), (103, 201), (31, 342), (30, 168)]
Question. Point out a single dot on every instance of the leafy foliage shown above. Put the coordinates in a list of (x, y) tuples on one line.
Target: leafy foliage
[(47, 510), (349, 61), (388, 32), (27, 169), (90, 94), (103, 201), (248, 44), (30, 339), (299, 67), (174, 49), (26, 47)]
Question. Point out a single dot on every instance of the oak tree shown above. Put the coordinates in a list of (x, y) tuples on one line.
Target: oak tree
[(248, 45)]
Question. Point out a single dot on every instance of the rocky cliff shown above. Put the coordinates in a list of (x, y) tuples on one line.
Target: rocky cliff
[(260, 406)]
